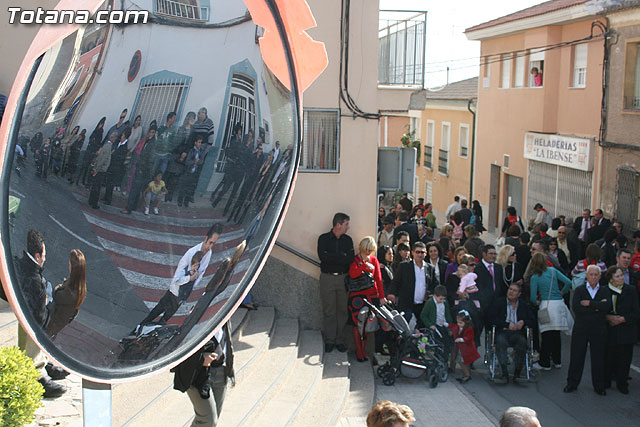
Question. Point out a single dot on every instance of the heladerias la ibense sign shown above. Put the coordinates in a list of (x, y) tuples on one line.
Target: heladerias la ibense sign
[(567, 151)]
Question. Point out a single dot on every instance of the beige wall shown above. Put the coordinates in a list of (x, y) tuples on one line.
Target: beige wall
[(505, 115), (392, 128), (444, 187), (352, 190)]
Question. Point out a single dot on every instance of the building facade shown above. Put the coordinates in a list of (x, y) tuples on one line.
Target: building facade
[(444, 120), (537, 135), (621, 156)]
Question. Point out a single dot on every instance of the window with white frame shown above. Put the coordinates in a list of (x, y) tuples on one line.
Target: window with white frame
[(506, 71), (519, 74), (464, 140), (443, 157), (321, 143), (536, 68), (428, 146), (580, 65), (183, 9)]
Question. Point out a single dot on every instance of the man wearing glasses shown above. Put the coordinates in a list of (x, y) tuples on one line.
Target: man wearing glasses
[(118, 127), (412, 284)]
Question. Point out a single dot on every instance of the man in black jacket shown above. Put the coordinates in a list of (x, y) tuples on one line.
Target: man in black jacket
[(34, 291), (204, 377), (490, 279), (335, 250), (411, 284), (510, 315), (403, 225), (591, 303)]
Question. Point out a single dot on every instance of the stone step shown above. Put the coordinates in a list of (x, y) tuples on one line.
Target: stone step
[(263, 375), (361, 394), (326, 401), (132, 399), (253, 340), (284, 401)]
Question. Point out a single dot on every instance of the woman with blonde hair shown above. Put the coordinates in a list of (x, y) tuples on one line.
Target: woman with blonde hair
[(513, 270), (69, 296), (390, 414), (365, 270)]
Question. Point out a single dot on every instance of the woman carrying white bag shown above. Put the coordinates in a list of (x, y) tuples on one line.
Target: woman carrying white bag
[(553, 314)]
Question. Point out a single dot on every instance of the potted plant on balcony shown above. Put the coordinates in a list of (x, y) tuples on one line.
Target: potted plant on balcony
[(409, 140)]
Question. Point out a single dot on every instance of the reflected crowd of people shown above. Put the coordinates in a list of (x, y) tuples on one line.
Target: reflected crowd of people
[(159, 164)]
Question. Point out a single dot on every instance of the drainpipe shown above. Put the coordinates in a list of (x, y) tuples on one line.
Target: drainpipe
[(473, 149)]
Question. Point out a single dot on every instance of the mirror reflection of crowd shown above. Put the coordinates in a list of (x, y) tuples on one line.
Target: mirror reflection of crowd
[(126, 159), (51, 309)]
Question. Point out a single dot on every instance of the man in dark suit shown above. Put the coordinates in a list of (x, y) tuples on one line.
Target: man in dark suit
[(490, 281), (582, 224), (623, 260), (510, 315), (403, 225), (601, 227), (591, 303), (490, 277), (410, 285)]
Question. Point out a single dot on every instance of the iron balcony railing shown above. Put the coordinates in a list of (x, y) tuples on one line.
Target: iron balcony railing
[(178, 9), (443, 162), (428, 156)]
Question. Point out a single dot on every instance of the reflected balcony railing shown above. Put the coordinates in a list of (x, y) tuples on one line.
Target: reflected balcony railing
[(179, 9)]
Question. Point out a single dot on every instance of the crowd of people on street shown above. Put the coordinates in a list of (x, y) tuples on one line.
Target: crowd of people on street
[(557, 275), (159, 164)]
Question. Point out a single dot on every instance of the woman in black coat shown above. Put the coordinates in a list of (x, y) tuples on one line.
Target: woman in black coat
[(622, 330), (477, 213), (95, 141), (434, 257), (385, 258)]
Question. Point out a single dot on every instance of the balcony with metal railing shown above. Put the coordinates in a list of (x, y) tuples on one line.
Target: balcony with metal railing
[(401, 47), (182, 9), (443, 162)]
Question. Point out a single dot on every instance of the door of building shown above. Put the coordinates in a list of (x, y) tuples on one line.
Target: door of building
[(494, 190), (514, 192), (561, 190)]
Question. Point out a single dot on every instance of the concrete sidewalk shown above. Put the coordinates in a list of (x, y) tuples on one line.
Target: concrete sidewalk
[(446, 405)]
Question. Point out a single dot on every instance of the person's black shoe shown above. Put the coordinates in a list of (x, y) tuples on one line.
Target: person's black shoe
[(51, 389), (56, 372), (341, 348), (624, 389), (328, 348), (570, 388), (362, 360), (601, 392)]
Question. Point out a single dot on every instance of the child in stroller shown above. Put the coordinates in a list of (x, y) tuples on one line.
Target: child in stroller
[(413, 353)]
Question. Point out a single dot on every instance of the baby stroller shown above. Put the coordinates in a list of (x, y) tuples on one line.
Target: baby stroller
[(413, 353)]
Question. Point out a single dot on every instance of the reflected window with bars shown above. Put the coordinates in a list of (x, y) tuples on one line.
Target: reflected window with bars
[(160, 94), (321, 141)]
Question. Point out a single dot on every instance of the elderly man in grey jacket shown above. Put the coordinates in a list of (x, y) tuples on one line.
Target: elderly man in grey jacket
[(99, 169)]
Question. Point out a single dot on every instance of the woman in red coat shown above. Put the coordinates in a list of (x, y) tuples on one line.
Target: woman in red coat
[(463, 337), (365, 262)]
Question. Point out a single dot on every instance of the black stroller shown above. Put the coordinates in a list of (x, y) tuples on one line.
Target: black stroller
[(413, 353)]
